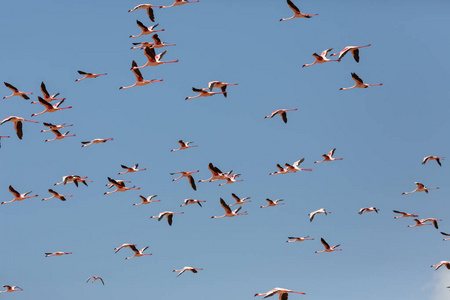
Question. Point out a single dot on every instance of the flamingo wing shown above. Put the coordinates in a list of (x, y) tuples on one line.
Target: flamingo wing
[(325, 244), (356, 55), (192, 182), (142, 26), (150, 53), (83, 73), (357, 78), (225, 206), (325, 53), (169, 219), (137, 72), (155, 37), (14, 192), (45, 103), (10, 86), (18, 127), (44, 90), (284, 116), (150, 14), (294, 8), (298, 162)]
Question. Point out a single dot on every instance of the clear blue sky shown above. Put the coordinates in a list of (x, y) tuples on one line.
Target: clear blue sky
[(381, 132)]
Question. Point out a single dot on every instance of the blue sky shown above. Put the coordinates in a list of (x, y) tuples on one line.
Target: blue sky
[(382, 134)]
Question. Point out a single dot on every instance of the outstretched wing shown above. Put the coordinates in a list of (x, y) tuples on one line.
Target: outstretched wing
[(293, 7), (225, 206)]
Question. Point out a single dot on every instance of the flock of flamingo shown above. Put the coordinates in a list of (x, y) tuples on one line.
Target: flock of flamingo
[(154, 59)]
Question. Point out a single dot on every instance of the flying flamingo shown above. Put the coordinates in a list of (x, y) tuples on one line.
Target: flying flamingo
[(297, 13), (281, 112), (47, 96), (273, 203), (49, 254), (17, 124), (428, 158), (16, 92), (59, 135), (359, 83), (18, 196), (140, 81), (231, 178), (75, 179), (440, 264), (299, 239), (368, 209), (328, 157), (283, 293), (192, 201), (167, 214), (228, 211), (432, 220), (404, 215), (137, 253), (156, 44), (281, 170), (131, 170), (89, 75), (120, 187), (145, 30), (54, 127), (202, 93), (10, 289), (110, 185), (50, 108), (147, 200), (295, 166), (56, 195), (220, 85), (153, 59), (94, 278), (353, 49), (319, 211), (320, 59), (327, 247), (418, 223), (420, 188), (217, 174), (193, 270), (189, 176), (149, 9), (446, 234), (239, 200), (179, 2), (183, 146), (95, 141)]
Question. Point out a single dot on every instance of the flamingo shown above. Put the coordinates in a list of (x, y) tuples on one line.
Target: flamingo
[(17, 124), (145, 30), (327, 247), (120, 187), (297, 13), (359, 83), (56, 195), (95, 141), (153, 59), (47, 96), (368, 209), (299, 239), (60, 136), (189, 176), (18, 196), (273, 203), (50, 108), (49, 254), (420, 188), (283, 293), (140, 81), (167, 214), (3, 136), (193, 270), (281, 112), (436, 158), (319, 211), (147, 200), (54, 127), (131, 170), (432, 220), (228, 212), (220, 85), (217, 174), (149, 9), (137, 253), (418, 223), (75, 179), (94, 278), (179, 2), (295, 166), (320, 59), (183, 146), (440, 264), (231, 178), (239, 200), (10, 289), (404, 215), (446, 234), (202, 93), (281, 170), (353, 49), (89, 75), (192, 201), (156, 44), (16, 92), (328, 157), (110, 185)]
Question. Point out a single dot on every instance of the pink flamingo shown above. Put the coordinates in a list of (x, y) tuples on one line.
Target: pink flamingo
[(231, 178), (18, 196), (56, 195), (239, 200), (192, 201), (420, 188), (145, 30), (418, 223), (50, 108), (353, 49), (47, 96), (359, 83), (281, 112), (404, 215), (183, 146), (319, 211), (202, 93), (59, 135), (432, 220), (328, 157), (327, 247), (95, 141), (220, 85), (50, 254), (120, 187), (193, 270), (297, 13), (436, 158), (17, 124), (16, 92), (147, 7), (283, 293), (440, 264), (295, 167), (299, 239), (156, 44), (139, 78), (10, 289), (368, 209), (89, 75), (179, 2), (189, 176), (147, 200), (228, 212), (281, 170), (167, 214), (153, 59), (320, 59), (54, 127), (272, 203), (131, 170), (75, 179), (137, 253), (217, 174), (94, 278)]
